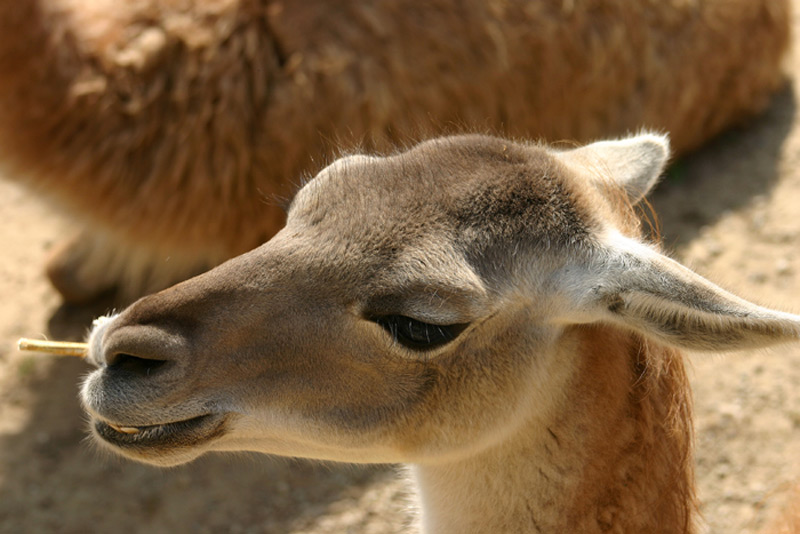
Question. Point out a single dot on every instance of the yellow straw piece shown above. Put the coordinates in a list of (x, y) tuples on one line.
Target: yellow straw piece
[(64, 348)]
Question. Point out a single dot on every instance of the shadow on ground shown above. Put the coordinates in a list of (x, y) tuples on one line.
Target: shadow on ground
[(725, 175)]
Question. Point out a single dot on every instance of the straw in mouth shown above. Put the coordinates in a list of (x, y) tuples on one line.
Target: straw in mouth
[(63, 348)]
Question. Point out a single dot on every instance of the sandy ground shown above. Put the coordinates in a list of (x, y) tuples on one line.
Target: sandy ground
[(731, 211)]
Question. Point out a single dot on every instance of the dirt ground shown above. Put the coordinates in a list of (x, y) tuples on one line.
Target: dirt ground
[(731, 211)]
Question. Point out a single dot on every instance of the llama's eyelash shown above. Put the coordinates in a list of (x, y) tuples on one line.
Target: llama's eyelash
[(418, 335)]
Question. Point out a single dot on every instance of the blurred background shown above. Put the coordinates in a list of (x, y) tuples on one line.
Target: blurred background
[(729, 209)]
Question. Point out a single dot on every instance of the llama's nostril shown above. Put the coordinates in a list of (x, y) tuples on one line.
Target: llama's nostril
[(121, 362)]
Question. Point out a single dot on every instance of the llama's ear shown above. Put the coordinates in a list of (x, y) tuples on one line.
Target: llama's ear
[(635, 163), (641, 289)]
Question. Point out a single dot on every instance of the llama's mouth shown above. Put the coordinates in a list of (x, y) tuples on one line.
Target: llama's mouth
[(178, 434)]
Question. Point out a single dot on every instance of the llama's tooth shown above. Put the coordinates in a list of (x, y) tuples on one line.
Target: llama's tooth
[(124, 429)]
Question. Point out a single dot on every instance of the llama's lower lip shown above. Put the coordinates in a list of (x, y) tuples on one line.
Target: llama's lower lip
[(177, 434)]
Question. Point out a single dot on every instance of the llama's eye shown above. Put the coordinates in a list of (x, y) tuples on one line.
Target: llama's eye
[(417, 335)]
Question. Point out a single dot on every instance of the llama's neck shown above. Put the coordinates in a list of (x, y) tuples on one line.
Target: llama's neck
[(615, 457)]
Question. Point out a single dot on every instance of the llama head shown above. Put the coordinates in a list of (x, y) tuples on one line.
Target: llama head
[(415, 308)]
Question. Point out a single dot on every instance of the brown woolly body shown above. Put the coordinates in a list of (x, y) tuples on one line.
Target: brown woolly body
[(650, 427), (647, 430), (170, 127)]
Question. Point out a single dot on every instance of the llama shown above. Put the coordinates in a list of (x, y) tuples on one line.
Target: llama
[(483, 310), (170, 127)]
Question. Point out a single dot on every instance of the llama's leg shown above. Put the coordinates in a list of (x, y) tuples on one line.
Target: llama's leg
[(92, 263), (76, 271)]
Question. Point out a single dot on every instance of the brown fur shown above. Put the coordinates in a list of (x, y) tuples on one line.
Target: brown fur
[(171, 126)]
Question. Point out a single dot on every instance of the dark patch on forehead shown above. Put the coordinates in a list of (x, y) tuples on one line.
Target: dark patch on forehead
[(525, 203)]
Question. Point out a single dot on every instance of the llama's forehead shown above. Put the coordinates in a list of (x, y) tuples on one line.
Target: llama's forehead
[(472, 204), (469, 185)]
